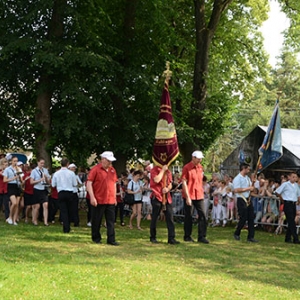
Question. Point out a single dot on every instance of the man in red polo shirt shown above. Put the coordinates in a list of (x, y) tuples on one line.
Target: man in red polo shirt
[(101, 186), (193, 195), (161, 187)]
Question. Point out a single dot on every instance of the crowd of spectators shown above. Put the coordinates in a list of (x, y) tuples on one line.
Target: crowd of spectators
[(219, 198)]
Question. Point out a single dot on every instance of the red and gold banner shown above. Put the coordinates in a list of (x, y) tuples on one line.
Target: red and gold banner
[(165, 149)]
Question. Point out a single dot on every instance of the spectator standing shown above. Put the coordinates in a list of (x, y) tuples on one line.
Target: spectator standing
[(101, 186), (11, 175), (242, 188), (40, 179), (75, 202), (28, 192), (64, 181), (4, 198), (289, 192), (193, 195), (135, 187), (120, 203)]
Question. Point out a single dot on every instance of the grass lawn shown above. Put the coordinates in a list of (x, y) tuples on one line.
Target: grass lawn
[(43, 263)]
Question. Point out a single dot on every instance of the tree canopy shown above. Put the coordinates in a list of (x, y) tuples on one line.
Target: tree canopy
[(80, 77)]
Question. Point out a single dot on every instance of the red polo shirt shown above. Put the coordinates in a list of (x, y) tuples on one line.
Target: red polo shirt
[(104, 184), (157, 187), (3, 185), (28, 187), (193, 175)]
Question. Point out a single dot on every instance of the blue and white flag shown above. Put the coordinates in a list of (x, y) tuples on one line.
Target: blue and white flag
[(271, 148)]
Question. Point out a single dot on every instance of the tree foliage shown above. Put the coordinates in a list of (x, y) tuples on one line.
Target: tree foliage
[(98, 63)]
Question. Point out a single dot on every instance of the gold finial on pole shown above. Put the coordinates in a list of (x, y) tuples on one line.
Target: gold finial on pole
[(279, 93), (167, 73)]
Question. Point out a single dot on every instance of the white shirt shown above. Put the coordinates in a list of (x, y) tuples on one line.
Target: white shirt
[(241, 182), (289, 191)]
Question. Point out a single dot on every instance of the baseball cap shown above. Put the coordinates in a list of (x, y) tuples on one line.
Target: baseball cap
[(19, 163), (108, 155), (198, 154), (72, 166)]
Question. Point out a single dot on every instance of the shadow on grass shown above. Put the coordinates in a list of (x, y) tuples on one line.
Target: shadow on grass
[(270, 262)]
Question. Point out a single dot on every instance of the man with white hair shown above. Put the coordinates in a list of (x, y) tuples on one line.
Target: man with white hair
[(75, 211), (101, 186), (193, 195)]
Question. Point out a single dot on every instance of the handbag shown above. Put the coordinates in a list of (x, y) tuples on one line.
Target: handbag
[(129, 198)]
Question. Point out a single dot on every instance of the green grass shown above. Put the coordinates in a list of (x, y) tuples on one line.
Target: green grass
[(43, 263)]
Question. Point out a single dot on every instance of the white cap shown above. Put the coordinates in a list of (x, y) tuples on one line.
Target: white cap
[(72, 166), (108, 155), (197, 154), (8, 156), (19, 163)]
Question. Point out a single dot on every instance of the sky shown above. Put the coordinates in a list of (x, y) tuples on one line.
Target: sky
[(272, 31)]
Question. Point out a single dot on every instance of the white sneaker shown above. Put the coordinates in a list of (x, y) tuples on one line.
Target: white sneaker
[(15, 223), (89, 224), (9, 221)]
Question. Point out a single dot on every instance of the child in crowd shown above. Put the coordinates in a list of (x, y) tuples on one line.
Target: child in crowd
[(281, 219), (230, 203), (220, 204), (297, 218)]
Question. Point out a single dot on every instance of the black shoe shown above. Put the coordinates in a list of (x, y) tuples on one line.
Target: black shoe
[(252, 240), (154, 241), (97, 242), (189, 239), (236, 237), (203, 240), (113, 243), (173, 242), (288, 241), (296, 242)]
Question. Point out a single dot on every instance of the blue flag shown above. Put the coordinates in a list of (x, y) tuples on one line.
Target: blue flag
[(271, 148)]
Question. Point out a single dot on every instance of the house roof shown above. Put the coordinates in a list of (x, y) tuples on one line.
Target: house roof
[(290, 139)]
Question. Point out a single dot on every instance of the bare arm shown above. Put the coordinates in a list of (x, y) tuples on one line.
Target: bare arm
[(89, 188)]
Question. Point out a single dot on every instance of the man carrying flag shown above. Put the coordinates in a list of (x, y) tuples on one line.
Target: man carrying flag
[(165, 151)]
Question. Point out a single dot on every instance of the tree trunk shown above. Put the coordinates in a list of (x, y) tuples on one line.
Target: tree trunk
[(204, 35), (120, 163), (43, 120), (45, 89)]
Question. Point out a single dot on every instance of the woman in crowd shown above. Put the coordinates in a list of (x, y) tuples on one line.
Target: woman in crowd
[(4, 198), (40, 178), (28, 192), (11, 175), (147, 207), (120, 203), (135, 187)]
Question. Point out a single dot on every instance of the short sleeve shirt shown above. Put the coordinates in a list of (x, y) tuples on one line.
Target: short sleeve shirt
[(193, 175), (157, 187), (240, 182), (103, 184), (289, 191)]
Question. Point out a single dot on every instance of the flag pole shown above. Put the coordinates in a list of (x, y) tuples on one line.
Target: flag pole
[(167, 74)]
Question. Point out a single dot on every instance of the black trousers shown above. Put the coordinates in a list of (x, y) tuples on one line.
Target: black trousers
[(53, 208), (75, 211), (290, 213), (246, 213), (188, 218), (4, 200), (65, 199), (88, 213), (156, 207), (120, 207), (108, 210)]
